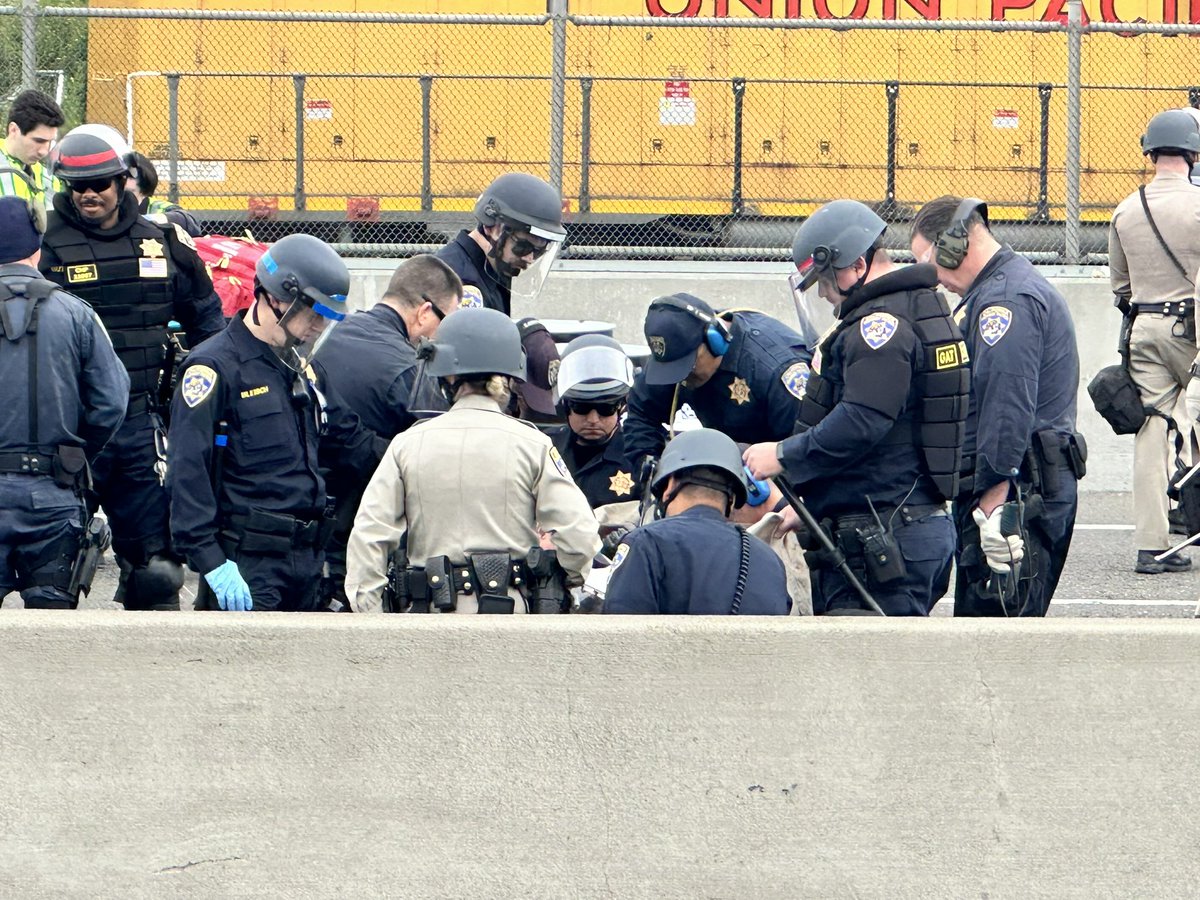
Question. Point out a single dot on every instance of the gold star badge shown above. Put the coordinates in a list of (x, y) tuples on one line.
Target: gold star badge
[(739, 391), (152, 249), (621, 484)]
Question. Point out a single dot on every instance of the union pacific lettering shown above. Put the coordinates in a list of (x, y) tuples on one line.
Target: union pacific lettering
[(1169, 11)]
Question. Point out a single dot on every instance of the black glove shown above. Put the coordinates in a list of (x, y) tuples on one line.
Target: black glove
[(613, 539)]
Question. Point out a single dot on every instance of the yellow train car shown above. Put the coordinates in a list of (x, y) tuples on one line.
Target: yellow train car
[(405, 120)]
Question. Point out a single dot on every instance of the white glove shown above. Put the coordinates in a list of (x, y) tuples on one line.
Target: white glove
[(1192, 398), (1002, 551)]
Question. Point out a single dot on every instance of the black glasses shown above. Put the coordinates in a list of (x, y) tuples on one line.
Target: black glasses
[(98, 185), (523, 247), (603, 410), (436, 311)]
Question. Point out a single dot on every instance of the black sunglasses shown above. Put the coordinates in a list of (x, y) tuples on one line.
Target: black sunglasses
[(583, 407), (523, 247), (98, 185), (436, 311)]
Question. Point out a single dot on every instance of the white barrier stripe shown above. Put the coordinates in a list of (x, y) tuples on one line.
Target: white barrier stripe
[(1104, 528)]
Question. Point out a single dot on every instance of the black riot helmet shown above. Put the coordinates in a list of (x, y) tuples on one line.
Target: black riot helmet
[(707, 449), (834, 237), (525, 202), (311, 281), (1172, 129), (475, 342)]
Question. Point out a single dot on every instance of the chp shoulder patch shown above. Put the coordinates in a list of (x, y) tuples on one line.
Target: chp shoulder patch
[(877, 329), (472, 297), (994, 323), (795, 379), (183, 237), (198, 383), (558, 463), (619, 557)]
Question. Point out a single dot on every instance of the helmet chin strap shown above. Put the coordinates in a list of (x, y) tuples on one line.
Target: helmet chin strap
[(601, 441), (863, 278)]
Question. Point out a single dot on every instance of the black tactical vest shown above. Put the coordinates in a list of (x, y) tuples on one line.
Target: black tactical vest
[(128, 279), (942, 382)]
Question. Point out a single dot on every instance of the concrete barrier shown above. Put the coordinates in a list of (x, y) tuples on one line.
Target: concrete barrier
[(258, 755), (619, 292)]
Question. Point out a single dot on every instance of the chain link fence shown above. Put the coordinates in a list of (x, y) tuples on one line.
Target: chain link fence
[(671, 135)]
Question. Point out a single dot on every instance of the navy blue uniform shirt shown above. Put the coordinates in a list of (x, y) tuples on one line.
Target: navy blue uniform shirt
[(601, 472), (269, 460), (482, 285), (754, 395), (688, 565), (1024, 365)]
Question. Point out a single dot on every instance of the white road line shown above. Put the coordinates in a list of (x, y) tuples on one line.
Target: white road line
[(1104, 528), (1098, 601)]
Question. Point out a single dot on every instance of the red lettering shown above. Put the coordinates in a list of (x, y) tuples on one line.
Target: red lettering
[(760, 8), (859, 11), (930, 10), (690, 10), (1195, 12), (1056, 12), (793, 9), (1000, 8)]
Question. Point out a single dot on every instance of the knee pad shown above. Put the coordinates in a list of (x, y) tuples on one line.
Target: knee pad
[(155, 585), (53, 566)]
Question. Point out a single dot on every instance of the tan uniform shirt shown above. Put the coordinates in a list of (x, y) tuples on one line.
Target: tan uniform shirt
[(1139, 268), (471, 480)]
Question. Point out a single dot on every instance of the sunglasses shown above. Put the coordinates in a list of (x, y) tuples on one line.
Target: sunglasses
[(436, 311), (583, 407), (523, 247), (97, 185)]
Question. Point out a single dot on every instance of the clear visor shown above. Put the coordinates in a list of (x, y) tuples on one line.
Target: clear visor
[(305, 328), (815, 314), (593, 364), (528, 284)]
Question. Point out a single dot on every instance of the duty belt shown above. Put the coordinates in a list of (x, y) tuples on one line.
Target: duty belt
[(461, 575), (907, 514), (26, 463), (1169, 308), (277, 529)]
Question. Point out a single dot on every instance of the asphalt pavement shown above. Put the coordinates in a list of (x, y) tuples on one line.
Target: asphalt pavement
[(1098, 581)]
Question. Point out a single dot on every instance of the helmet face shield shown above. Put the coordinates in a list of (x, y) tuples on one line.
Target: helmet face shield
[(814, 313), (527, 284), (594, 372), (305, 325)]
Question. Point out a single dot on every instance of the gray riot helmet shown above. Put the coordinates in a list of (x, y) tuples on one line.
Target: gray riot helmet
[(594, 368), (530, 211), (707, 448), (1172, 129), (311, 281), (834, 237), (475, 342)]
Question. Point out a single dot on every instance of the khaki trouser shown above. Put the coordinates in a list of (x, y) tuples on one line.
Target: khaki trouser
[(1159, 360)]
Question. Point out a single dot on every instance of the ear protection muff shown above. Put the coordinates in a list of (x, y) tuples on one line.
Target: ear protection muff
[(758, 491), (37, 212), (717, 336), (952, 244)]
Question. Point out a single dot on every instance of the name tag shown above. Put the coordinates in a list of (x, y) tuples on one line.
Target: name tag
[(152, 268), (255, 392), (77, 274)]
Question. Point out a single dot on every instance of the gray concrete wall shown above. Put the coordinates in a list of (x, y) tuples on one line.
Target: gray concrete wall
[(619, 292), (337, 756)]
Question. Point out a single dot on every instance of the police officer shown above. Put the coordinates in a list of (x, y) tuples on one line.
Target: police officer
[(370, 360), (1154, 254), (33, 123), (66, 394), (1021, 446), (471, 492), (248, 499), (138, 276), (879, 441), (694, 561), (143, 182), (593, 382), (518, 230), (742, 373)]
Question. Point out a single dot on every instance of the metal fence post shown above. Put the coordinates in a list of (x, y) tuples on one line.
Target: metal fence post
[(585, 145), (739, 94), (1074, 123), (173, 137), (301, 199), (1042, 214), (893, 97), (29, 13), (558, 88), (426, 144)]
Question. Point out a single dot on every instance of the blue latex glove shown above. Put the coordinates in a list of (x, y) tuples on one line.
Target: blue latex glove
[(230, 587)]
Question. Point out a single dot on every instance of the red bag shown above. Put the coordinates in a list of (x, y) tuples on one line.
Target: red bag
[(230, 263)]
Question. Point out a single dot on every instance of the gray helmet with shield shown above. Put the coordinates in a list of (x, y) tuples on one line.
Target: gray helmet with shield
[(476, 342), (311, 281), (834, 237), (703, 448), (1172, 129), (594, 368), (530, 213)]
